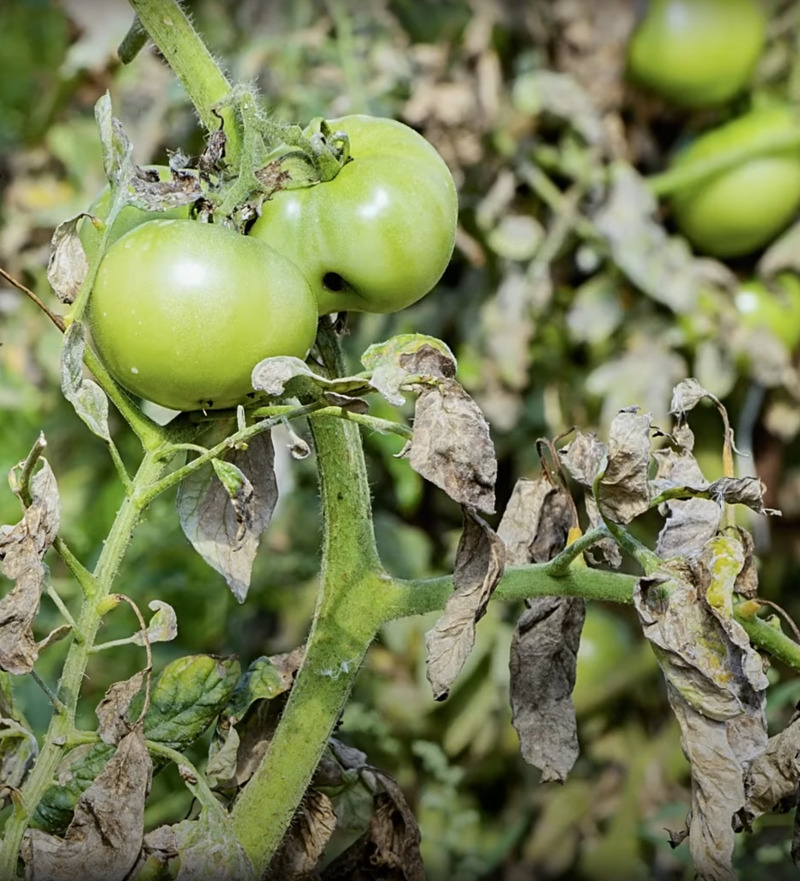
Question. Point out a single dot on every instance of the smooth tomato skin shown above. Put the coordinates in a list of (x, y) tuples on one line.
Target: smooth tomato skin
[(742, 209), (128, 218), (697, 53), (379, 235), (181, 312), (775, 307)]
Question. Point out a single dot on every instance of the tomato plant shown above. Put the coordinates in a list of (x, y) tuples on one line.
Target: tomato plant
[(128, 218), (697, 53), (744, 207), (379, 235), (181, 311)]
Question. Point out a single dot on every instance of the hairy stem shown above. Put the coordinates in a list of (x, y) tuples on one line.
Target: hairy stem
[(187, 55)]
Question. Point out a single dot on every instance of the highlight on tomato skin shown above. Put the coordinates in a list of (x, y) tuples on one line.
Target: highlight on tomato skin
[(697, 53), (741, 209), (379, 235), (181, 312)]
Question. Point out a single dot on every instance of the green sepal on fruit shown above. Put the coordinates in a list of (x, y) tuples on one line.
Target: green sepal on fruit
[(697, 53), (377, 236), (181, 312), (741, 209)]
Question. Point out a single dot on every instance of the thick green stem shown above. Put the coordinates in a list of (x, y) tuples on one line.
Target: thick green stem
[(62, 723), (350, 608), (188, 56)]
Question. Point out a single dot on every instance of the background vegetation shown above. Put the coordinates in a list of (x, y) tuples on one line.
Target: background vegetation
[(556, 318)]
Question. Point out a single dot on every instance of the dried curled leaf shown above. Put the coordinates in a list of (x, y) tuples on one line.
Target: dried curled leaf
[(480, 560), (67, 267), (22, 548), (393, 361), (624, 489), (451, 445), (535, 527), (224, 529), (716, 687), (303, 845), (85, 395), (104, 838), (112, 711)]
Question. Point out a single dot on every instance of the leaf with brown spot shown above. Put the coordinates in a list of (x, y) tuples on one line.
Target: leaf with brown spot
[(303, 845), (112, 711), (104, 838), (479, 564), (226, 535), (451, 445)]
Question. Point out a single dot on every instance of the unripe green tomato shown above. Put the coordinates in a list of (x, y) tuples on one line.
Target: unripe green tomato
[(742, 209), (775, 307), (129, 217), (379, 235), (182, 311), (697, 53)]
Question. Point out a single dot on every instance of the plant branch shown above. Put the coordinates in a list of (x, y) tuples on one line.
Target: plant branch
[(187, 55)]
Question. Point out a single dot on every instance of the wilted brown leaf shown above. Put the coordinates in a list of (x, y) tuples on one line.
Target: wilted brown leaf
[(451, 445), (112, 711), (67, 266), (22, 548), (717, 689), (224, 538), (305, 841), (624, 489), (104, 838), (480, 560)]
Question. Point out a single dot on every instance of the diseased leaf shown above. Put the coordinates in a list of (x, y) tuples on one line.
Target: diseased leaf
[(479, 564), (661, 266), (117, 148), (163, 626), (535, 527), (313, 825), (716, 688), (624, 489), (247, 724), (227, 535), (275, 376), (543, 661), (389, 849), (112, 711), (686, 395), (392, 361), (689, 523), (187, 696), (88, 399), (774, 776), (451, 445), (583, 457), (18, 745), (67, 266), (22, 548), (104, 838), (240, 491)]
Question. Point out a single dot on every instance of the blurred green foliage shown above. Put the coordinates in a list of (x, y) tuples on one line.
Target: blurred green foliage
[(549, 330)]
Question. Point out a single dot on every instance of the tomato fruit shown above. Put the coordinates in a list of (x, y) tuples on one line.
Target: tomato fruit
[(379, 235), (129, 217), (743, 208), (775, 307), (697, 53), (181, 312)]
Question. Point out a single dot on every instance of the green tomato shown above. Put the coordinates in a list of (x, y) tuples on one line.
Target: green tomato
[(743, 208), (775, 307), (128, 218), (379, 235), (697, 53), (181, 312)]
